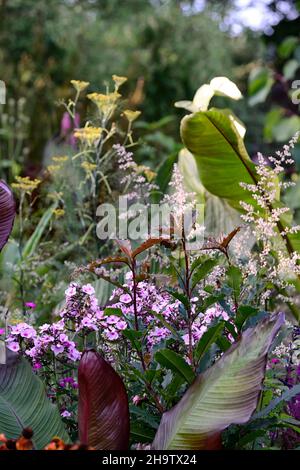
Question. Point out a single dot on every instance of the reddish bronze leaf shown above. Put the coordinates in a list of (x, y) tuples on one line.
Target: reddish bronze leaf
[(7, 213), (222, 245), (103, 414), (225, 242), (125, 247), (148, 244)]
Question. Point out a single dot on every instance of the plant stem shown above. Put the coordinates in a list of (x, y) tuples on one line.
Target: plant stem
[(140, 353), (188, 294)]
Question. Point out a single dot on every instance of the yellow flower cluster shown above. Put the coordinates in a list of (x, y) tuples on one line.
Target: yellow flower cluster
[(58, 213), (79, 85), (131, 115), (60, 159), (25, 184), (118, 81), (105, 103), (88, 134), (53, 168), (150, 175), (88, 167)]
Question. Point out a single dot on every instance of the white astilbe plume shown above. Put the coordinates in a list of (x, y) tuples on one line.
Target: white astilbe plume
[(266, 219), (183, 207)]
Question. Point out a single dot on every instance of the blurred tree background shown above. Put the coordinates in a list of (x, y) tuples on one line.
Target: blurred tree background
[(167, 49)]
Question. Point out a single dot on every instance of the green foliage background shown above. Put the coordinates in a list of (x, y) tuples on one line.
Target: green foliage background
[(45, 44)]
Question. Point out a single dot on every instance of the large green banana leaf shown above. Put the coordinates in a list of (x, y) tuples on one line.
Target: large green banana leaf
[(225, 394), (23, 403), (219, 216), (221, 157)]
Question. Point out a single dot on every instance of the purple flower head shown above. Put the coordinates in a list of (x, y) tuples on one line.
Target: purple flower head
[(44, 327), (66, 414), (2, 331), (63, 338), (125, 299), (136, 399), (71, 291), (274, 360), (14, 346), (111, 335), (121, 325), (28, 333), (73, 354), (88, 289), (57, 349), (88, 322), (112, 319), (30, 305)]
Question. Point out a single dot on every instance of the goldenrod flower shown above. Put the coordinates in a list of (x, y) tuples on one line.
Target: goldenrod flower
[(26, 184), (15, 321), (150, 175), (88, 134), (88, 167), (105, 103), (53, 168), (60, 159), (131, 115), (79, 85), (119, 81), (58, 213)]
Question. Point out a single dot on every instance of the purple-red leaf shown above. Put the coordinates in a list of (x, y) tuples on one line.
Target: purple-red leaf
[(148, 244), (103, 414), (125, 247), (226, 393), (7, 212)]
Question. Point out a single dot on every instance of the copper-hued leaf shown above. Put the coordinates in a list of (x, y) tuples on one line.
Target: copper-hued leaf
[(125, 247), (227, 393), (148, 244), (225, 242), (222, 245), (7, 213), (103, 414)]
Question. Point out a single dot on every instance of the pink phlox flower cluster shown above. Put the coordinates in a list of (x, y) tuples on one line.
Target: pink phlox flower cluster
[(21, 331), (150, 301), (38, 343), (82, 311), (204, 321)]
